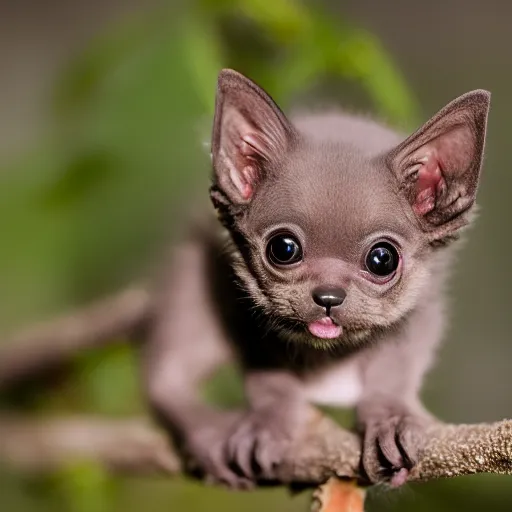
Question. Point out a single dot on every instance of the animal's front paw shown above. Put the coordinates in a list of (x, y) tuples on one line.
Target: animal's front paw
[(261, 439), (205, 448), (393, 437)]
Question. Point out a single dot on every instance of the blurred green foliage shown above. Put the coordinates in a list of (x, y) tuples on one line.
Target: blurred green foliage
[(87, 209), (129, 115)]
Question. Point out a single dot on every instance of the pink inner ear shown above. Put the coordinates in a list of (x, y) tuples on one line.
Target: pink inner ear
[(243, 180), (429, 185), (249, 148), (248, 179), (252, 145)]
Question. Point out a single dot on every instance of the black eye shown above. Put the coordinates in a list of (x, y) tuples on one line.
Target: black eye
[(284, 249), (382, 259)]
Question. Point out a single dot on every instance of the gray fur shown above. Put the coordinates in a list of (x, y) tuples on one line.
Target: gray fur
[(339, 183)]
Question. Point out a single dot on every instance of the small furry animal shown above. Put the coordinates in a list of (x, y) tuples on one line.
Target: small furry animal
[(323, 279)]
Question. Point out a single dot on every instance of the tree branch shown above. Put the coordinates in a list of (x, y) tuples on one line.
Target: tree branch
[(135, 447), (51, 343), (121, 446)]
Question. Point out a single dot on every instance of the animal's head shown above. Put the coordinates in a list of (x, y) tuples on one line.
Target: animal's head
[(338, 240)]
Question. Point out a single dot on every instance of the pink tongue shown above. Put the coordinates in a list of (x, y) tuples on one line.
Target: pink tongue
[(324, 328)]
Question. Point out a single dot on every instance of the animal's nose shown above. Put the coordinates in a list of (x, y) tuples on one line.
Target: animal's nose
[(329, 296)]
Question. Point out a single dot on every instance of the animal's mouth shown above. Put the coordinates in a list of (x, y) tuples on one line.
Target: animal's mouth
[(325, 328)]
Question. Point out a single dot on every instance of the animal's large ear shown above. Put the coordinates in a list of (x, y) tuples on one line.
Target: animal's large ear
[(438, 167), (250, 135)]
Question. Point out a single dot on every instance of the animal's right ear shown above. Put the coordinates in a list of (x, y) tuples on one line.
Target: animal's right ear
[(250, 135), (438, 167)]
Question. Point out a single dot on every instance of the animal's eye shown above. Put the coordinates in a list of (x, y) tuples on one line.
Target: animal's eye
[(284, 249), (382, 259)]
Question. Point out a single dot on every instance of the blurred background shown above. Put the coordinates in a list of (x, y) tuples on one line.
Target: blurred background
[(104, 108)]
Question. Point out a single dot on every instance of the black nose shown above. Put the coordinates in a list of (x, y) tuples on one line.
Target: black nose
[(329, 297)]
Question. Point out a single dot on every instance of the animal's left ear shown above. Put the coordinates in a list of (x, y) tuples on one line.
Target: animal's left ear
[(250, 136), (438, 167)]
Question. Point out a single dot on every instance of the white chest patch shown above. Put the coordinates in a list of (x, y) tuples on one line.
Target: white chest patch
[(338, 386)]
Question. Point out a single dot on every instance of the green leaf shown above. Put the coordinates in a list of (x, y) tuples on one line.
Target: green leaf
[(84, 486), (203, 56), (109, 379), (80, 177)]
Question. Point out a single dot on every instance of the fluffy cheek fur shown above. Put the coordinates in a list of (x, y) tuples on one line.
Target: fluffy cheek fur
[(367, 308), (272, 298)]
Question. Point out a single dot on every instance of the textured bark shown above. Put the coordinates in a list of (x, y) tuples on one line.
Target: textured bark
[(135, 447)]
